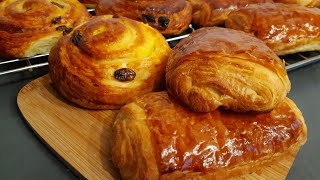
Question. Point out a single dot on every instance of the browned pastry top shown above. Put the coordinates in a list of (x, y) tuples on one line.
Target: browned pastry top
[(168, 16), (202, 142), (232, 4), (25, 21), (278, 24), (223, 67), (308, 3)]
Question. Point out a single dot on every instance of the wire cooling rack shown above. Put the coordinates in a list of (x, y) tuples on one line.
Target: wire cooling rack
[(9, 66)]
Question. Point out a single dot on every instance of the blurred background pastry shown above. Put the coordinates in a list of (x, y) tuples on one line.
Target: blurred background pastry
[(215, 12), (308, 3), (285, 28), (223, 67), (90, 3), (30, 27), (157, 138), (170, 17), (108, 61)]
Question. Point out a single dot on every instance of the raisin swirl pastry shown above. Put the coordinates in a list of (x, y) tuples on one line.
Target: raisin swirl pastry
[(223, 67), (157, 138), (308, 3), (170, 17), (108, 61), (215, 12), (30, 27), (285, 28)]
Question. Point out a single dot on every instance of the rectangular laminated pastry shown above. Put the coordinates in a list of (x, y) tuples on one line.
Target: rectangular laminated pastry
[(157, 138), (285, 28)]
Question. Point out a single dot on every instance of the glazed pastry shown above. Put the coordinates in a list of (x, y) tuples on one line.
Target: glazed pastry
[(157, 138), (90, 3), (30, 27), (108, 61), (285, 28), (223, 67), (170, 17), (215, 12), (308, 3)]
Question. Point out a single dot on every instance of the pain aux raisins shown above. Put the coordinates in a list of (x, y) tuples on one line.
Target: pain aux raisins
[(124, 74)]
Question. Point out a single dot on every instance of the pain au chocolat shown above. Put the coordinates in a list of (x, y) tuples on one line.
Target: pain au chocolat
[(215, 12), (170, 17), (308, 3), (223, 67), (157, 138), (30, 27), (285, 28), (108, 61)]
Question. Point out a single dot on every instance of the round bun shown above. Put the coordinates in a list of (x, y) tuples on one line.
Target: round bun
[(30, 27), (170, 17), (108, 61), (222, 67)]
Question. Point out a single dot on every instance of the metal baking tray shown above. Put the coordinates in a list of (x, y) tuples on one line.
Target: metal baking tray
[(9, 66)]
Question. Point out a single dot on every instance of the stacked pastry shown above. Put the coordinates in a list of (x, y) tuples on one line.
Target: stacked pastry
[(170, 17), (225, 113), (30, 27)]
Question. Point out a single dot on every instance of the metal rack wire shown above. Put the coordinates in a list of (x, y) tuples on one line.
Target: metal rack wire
[(17, 65)]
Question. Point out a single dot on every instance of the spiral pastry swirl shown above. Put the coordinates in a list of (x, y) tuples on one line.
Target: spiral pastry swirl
[(170, 17), (30, 27), (222, 67), (108, 61)]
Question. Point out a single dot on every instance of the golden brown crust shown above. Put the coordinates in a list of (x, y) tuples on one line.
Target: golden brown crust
[(30, 27), (84, 65), (213, 12), (156, 131), (222, 67), (308, 3), (285, 28), (170, 17)]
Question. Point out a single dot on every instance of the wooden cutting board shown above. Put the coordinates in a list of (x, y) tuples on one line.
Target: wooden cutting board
[(82, 137)]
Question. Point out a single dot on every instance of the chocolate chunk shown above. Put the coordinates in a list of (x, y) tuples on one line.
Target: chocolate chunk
[(147, 18), (125, 74), (163, 21), (115, 16), (56, 20), (76, 38), (57, 4)]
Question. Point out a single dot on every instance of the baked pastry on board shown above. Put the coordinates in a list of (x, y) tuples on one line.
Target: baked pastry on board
[(108, 61), (30, 27), (170, 17), (285, 28), (308, 3), (223, 67), (157, 138), (215, 12)]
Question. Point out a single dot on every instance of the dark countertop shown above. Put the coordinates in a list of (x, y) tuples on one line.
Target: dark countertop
[(24, 156)]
